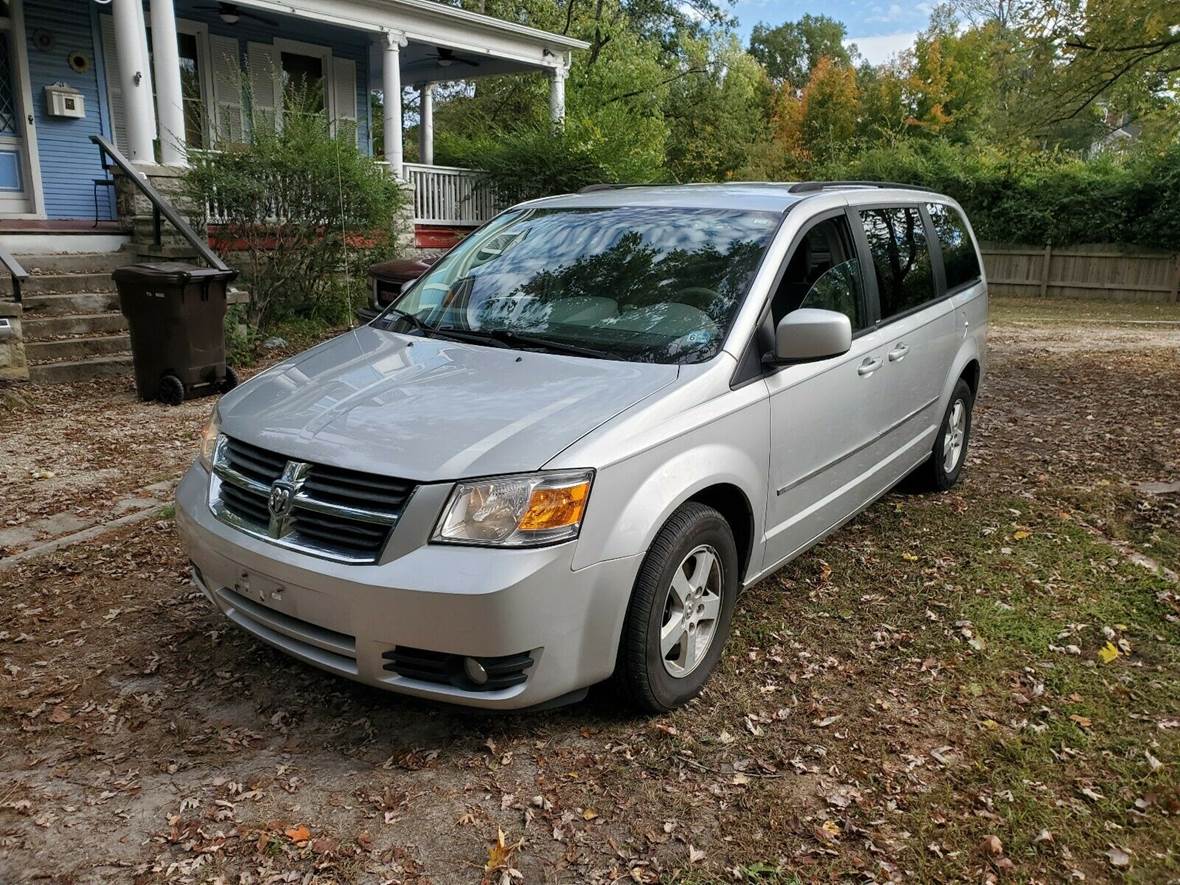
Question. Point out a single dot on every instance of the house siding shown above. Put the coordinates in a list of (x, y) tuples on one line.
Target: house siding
[(69, 162)]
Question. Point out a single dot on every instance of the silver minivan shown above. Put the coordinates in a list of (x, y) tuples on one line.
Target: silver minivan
[(560, 455)]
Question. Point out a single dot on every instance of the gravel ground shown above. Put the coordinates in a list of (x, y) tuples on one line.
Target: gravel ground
[(976, 685)]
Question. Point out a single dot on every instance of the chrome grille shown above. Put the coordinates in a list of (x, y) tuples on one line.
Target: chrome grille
[(317, 508)]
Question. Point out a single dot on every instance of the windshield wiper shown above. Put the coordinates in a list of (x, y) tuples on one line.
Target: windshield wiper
[(408, 317), (510, 338), (475, 336), (550, 344)]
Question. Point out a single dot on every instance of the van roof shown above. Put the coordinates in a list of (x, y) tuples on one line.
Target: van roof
[(753, 195)]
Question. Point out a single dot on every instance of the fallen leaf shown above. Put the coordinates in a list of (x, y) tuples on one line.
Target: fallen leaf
[(1021, 534), (1083, 721), (297, 834), (500, 853), (695, 855), (1118, 857), (992, 845), (909, 557), (589, 814), (1108, 653)]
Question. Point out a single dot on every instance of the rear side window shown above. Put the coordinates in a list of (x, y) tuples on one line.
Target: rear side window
[(958, 251), (901, 258)]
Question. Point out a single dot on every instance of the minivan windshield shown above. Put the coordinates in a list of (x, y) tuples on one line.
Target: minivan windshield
[(640, 283)]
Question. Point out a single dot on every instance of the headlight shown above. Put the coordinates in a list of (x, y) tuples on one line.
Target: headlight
[(209, 440), (516, 511)]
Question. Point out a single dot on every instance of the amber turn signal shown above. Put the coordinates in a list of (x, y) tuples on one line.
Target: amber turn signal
[(555, 508)]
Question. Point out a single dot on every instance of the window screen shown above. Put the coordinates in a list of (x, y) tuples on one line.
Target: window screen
[(901, 258), (958, 250)]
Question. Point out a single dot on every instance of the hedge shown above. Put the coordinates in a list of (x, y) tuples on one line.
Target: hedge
[(1039, 198)]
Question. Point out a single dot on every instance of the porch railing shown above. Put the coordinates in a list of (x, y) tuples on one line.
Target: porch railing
[(162, 210), (443, 195), (448, 195)]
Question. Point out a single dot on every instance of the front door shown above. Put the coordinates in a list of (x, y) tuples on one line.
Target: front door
[(15, 190), (826, 447)]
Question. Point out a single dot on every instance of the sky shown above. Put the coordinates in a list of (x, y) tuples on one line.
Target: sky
[(879, 28)]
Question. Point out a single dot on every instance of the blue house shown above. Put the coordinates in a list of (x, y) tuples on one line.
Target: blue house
[(164, 76), (161, 78)]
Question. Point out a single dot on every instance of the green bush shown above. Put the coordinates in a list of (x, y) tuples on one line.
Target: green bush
[(298, 207), (1038, 197), (535, 159)]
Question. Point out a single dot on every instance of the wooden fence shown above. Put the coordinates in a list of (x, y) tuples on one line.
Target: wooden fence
[(1096, 271)]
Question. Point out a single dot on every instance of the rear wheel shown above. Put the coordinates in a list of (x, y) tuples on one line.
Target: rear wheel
[(945, 464), (680, 611), (171, 391)]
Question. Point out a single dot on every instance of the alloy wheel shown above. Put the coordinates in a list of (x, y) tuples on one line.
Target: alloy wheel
[(955, 437), (691, 611)]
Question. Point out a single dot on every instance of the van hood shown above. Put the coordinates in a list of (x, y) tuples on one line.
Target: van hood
[(429, 409)]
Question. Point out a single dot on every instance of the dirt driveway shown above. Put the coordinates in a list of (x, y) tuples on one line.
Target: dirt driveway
[(982, 684)]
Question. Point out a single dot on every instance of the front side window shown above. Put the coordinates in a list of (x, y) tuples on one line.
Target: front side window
[(640, 283), (823, 272), (901, 258), (958, 250)]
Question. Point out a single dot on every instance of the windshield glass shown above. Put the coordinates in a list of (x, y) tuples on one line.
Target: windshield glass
[(653, 284)]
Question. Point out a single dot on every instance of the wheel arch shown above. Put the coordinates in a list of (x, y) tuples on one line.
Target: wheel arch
[(733, 504)]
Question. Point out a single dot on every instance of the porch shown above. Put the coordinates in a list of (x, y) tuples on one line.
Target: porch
[(162, 77)]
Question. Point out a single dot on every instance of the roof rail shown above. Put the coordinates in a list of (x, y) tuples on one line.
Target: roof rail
[(605, 186), (810, 187)]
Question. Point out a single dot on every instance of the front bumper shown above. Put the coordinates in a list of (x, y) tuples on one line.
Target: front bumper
[(465, 601)]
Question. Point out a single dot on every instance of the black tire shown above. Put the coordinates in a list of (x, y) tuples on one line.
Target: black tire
[(934, 474), (171, 391), (641, 669), (230, 382)]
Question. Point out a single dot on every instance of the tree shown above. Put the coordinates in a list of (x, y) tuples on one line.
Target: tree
[(1123, 53), (791, 51), (716, 118)]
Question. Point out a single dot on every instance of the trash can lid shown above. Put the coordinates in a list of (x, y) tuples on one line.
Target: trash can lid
[(174, 272)]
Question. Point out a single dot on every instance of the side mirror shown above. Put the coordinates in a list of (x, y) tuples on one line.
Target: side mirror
[(809, 334), (406, 284)]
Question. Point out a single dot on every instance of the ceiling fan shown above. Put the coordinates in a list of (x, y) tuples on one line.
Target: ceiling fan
[(444, 57), (231, 14)]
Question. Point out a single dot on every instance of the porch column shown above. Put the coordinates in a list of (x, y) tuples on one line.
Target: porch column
[(169, 96), (426, 124), (130, 40), (557, 95), (391, 86)]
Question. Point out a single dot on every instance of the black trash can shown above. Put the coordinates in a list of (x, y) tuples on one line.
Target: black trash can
[(176, 315)]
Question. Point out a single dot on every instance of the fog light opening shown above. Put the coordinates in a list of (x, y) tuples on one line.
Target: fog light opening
[(475, 671)]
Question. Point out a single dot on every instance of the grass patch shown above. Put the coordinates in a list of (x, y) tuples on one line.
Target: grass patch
[(1070, 311)]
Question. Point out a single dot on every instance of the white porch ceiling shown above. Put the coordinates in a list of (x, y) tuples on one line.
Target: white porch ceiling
[(492, 45)]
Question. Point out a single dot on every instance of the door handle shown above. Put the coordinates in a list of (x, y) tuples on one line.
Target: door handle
[(898, 353), (869, 366)]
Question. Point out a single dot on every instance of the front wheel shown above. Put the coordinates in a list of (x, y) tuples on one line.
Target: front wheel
[(680, 611), (945, 465)]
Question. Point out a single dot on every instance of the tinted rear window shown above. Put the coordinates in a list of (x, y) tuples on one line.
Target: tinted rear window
[(958, 251)]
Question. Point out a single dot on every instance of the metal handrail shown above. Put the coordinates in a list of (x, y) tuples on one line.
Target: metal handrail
[(18, 273), (160, 206)]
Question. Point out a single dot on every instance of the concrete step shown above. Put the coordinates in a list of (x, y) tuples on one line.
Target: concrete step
[(40, 284), (76, 348), (75, 262), (72, 303), (80, 370), (41, 328)]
